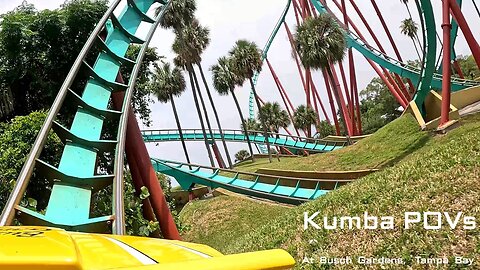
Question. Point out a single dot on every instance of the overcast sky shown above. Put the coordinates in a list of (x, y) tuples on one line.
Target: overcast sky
[(229, 20)]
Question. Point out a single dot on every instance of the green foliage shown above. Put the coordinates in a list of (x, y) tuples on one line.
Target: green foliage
[(251, 125), (224, 77), (325, 129), (385, 147), (136, 224), (16, 140), (246, 59), (469, 67), (167, 82), (37, 49), (242, 155), (320, 41), (304, 117), (442, 175), (274, 116), (179, 14), (409, 28), (378, 106), (190, 42), (142, 92)]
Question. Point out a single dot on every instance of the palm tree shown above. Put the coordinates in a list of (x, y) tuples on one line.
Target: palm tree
[(405, 2), (179, 14), (410, 28), (166, 84), (303, 118), (274, 118), (246, 60), (321, 42), (184, 59), (224, 81), (195, 38)]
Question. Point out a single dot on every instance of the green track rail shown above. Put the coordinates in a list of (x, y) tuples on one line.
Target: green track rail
[(426, 77), (266, 48), (291, 142), (78, 175), (276, 188)]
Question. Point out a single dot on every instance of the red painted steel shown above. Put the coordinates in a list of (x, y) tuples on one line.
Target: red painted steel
[(136, 150), (447, 71), (467, 32), (330, 99)]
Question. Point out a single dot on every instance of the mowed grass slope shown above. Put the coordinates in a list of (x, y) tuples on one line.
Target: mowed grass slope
[(386, 147), (442, 176), (222, 220)]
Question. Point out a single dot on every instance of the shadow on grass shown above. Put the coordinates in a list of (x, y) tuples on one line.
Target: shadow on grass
[(411, 149)]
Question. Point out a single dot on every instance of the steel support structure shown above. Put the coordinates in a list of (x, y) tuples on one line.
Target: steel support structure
[(447, 71)]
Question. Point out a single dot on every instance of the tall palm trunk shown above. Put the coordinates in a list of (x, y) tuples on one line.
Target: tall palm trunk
[(219, 157), (416, 49), (192, 84), (337, 97), (177, 120), (265, 133), (244, 124), (230, 165)]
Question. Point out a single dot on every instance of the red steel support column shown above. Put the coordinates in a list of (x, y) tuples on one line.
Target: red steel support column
[(330, 99), (472, 43), (314, 88), (447, 71), (138, 184), (283, 94), (136, 149), (458, 69), (395, 91), (343, 107)]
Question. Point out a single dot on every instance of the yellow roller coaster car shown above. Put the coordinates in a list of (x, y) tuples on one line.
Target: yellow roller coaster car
[(39, 248)]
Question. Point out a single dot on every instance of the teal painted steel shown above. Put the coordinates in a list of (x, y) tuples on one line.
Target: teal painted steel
[(398, 67), (189, 174), (251, 101), (430, 49), (76, 177), (69, 205), (237, 136)]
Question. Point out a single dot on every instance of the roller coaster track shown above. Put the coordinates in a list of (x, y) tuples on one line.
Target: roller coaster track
[(251, 106), (291, 142), (78, 175), (421, 76), (276, 188)]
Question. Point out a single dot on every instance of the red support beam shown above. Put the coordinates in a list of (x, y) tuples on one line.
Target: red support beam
[(447, 71), (353, 86), (314, 88), (332, 104), (341, 100), (467, 32), (400, 87), (458, 69), (395, 91), (137, 156), (286, 101)]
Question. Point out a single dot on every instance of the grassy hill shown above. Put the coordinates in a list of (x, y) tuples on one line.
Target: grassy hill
[(222, 220), (438, 173), (386, 147)]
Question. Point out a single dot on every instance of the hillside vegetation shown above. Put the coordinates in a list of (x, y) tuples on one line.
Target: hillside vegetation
[(386, 147), (439, 173)]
